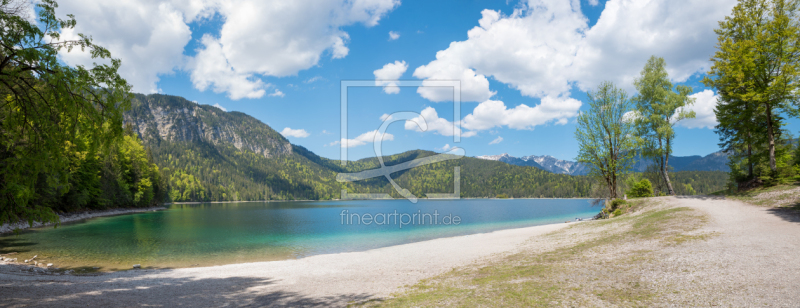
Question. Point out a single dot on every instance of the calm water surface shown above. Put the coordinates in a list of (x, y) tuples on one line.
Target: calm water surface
[(224, 233)]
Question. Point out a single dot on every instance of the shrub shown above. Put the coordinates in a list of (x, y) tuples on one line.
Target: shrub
[(502, 196), (617, 203), (617, 212), (641, 189)]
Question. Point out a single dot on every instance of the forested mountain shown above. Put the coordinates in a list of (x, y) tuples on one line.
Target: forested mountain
[(717, 161), (206, 154)]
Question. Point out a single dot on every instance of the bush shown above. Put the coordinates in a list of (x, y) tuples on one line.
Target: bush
[(617, 203), (641, 189), (502, 196), (617, 212)]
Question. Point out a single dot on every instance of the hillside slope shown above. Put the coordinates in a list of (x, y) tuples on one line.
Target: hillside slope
[(206, 154)]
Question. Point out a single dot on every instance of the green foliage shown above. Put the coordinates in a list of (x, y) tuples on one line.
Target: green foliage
[(54, 118), (658, 109), (755, 71), (616, 204), (605, 136), (502, 196), (642, 189)]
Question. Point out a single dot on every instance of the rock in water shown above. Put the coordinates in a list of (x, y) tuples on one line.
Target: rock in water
[(137, 266), (49, 264)]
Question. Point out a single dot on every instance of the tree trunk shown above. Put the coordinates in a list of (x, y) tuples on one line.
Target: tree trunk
[(665, 171), (771, 136), (749, 160)]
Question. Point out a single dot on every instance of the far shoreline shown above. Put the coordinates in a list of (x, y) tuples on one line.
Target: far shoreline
[(76, 216)]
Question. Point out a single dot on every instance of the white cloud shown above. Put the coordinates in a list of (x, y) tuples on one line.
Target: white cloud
[(704, 105), (297, 133), (545, 48), (388, 74), (385, 117), (490, 114), (147, 35), (594, 2), (325, 132), (393, 35), (435, 124), (362, 139), (279, 38), (314, 79), (497, 140), (220, 107), (277, 93), (209, 71), (445, 148)]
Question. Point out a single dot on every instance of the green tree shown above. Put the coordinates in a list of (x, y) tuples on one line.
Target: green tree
[(658, 109), (755, 70), (605, 136), (47, 107)]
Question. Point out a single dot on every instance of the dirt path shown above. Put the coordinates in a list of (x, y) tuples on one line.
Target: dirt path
[(754, 260)]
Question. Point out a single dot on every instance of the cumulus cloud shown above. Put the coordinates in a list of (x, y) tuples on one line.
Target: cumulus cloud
[(388, 74), (386, 117), (545, 48), (497, 140), (363, 139), (278, 38), (704, 105), (220, 107), (435, 124), (277, 93), (208, 71), (492, 113), (393, 35), (445, 148), (147, 35), (297, 133)]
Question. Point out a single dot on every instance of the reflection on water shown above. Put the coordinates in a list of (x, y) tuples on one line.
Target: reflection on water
[(224, 233)]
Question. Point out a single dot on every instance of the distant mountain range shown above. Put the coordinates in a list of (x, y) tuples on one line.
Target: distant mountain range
[(717, 161)]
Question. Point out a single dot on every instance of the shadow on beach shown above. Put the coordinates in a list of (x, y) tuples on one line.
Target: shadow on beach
[(138, 289)]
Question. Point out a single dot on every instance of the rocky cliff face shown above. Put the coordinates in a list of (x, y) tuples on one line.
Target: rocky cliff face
[(158, 118)]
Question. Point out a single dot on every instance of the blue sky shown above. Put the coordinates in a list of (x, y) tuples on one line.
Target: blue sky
[(283, 65)]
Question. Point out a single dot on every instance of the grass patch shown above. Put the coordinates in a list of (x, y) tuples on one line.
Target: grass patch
[(605, 270), (774, 196)]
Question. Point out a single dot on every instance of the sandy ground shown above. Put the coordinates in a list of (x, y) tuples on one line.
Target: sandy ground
[(752, 261)]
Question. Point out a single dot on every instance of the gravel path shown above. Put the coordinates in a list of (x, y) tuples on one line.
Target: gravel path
[(754, 260)]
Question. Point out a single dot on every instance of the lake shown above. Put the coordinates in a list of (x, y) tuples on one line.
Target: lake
[(224, 233)]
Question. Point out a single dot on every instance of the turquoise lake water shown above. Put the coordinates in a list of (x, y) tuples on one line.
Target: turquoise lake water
[(224, 233)]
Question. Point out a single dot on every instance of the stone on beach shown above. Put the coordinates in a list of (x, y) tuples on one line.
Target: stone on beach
[(137, 266)]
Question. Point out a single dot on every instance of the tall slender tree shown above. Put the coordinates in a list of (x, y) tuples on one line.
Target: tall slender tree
[(658, 109), (756, 65), (605, 136)]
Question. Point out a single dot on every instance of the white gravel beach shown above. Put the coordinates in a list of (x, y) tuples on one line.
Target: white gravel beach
[(754, 257)]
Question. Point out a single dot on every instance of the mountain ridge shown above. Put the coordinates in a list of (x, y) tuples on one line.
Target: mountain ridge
[(716, 161)]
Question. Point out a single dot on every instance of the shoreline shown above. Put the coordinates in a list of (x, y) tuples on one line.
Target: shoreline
[(396, 199), (76, 216), (378, 272)]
